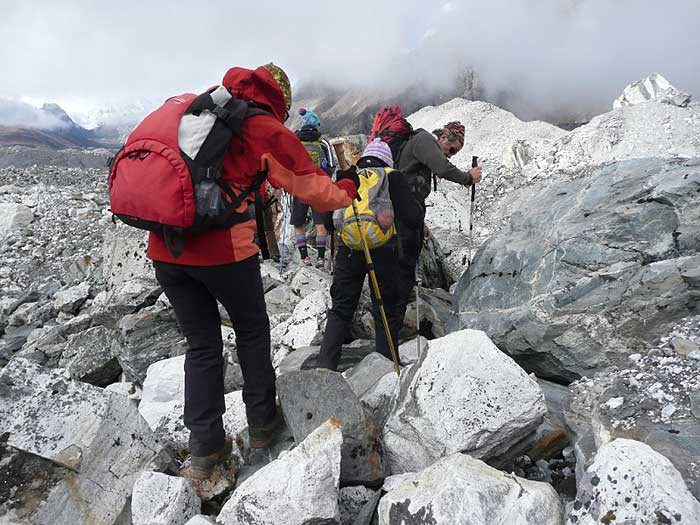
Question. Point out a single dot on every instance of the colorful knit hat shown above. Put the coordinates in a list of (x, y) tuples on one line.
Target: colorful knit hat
[(309, 118), (455, 129), (379, 149), (282, 81)]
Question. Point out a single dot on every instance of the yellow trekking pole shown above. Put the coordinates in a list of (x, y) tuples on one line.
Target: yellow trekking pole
[(377, 293)]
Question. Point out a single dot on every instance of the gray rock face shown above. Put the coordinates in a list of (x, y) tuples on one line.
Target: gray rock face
[(308, 398), (463, 395), (148, 336), (300, 487), (98, 438), (89, 356), (460, 489), (159, 499), (590, 270), (630, 483)]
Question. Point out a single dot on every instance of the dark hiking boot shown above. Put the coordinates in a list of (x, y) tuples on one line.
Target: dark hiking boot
[(261, 436), (203, 466)]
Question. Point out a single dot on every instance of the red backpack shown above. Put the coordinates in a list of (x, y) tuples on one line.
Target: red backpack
[(391, 126), (167, 177)]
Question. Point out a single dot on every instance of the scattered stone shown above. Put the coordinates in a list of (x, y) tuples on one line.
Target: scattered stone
[(351, 501), (630, 483), (298, 488), (461, 489), (159, 499), (408, 351), (614, 403), (69, 301), (483, 405), (308, 398), (89, 356), (683, 346)]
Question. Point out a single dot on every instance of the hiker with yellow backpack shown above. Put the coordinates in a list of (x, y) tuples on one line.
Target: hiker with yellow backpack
[(383, 198), (320, 152)]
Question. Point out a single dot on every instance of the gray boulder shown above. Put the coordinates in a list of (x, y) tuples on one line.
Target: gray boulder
[(148, 336), (159, 499), (351, 501), (463, 395), (306, 358), (70, 300), (96, 436), (630, 483), (589, 270), (461, 489), (300, 487), (89, 356), (308, 398)]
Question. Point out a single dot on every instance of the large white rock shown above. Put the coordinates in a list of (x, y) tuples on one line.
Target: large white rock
[(98, 436), (14, 217), (159, 499), (163, 390), (653, 87), (629, 132), (124, 256), (460, 489), (464, 395), (629, 482), (306, 324), (309, 279), (299, 487), (163, 401)]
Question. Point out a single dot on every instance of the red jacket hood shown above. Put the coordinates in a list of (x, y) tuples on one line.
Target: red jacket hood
[(259, 86)]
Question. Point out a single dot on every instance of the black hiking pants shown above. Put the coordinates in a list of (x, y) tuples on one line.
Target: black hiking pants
[(348, 279), (411, 241), (193, 291)]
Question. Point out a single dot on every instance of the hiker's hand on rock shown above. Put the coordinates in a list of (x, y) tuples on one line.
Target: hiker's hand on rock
[(475, 174)]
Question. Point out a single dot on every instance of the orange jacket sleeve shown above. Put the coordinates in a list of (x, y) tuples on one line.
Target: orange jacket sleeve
[(291, 167)]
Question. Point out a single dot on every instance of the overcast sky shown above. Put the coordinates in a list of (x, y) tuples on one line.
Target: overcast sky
[(549, 52)]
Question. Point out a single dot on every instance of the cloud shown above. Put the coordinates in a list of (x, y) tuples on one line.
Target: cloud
[(15, 113), (543, 58)]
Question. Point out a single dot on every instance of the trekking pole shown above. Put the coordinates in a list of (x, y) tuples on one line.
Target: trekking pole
[(284, 230), (377, 293), (419, 283), (475, 163)]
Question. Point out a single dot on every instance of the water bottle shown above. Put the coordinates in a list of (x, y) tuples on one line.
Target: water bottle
[(208, 197)]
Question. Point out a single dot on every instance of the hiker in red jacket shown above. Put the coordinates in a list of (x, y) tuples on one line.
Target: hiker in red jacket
[(222, 265)]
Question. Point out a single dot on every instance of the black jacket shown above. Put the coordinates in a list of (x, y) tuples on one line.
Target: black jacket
[(407, 209), (421, 157)]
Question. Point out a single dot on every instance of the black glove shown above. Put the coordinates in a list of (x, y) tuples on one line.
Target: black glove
[(350, 173)]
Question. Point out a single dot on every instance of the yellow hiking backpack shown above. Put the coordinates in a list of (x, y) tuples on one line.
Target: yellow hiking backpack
[(375, 212)]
